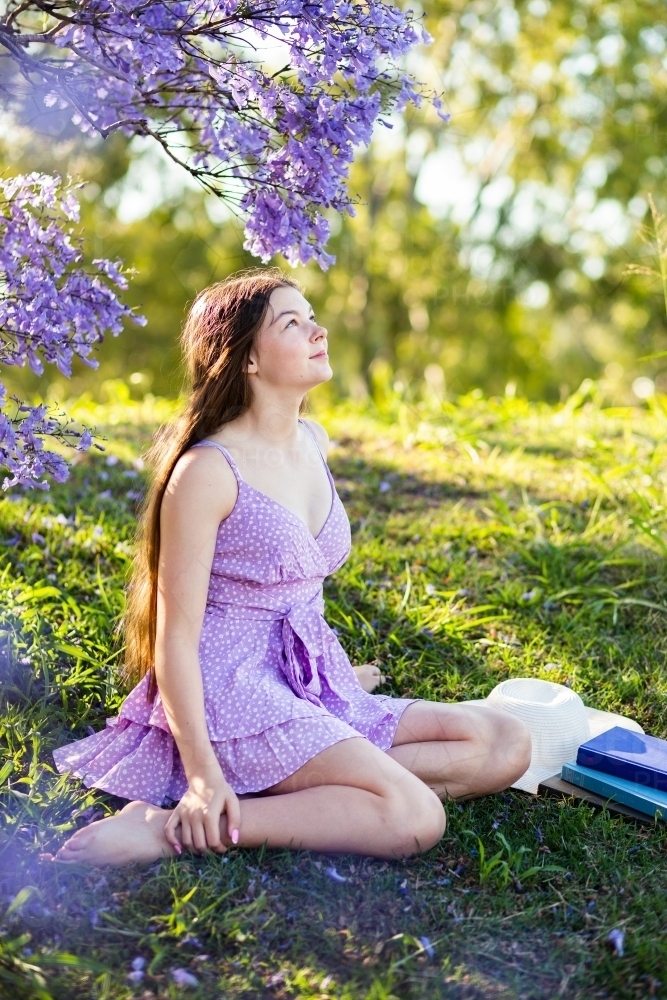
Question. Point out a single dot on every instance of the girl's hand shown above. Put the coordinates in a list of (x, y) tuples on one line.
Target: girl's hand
[(369, 676), (198, 814)]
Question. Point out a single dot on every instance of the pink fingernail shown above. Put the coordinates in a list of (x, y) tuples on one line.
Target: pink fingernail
[(177, 848), (235, 836)]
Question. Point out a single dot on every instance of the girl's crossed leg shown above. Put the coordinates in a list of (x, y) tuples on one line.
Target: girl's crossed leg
[(461, 751), (352, 797)]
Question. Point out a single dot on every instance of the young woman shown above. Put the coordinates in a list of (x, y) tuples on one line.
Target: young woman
[(248, 717)]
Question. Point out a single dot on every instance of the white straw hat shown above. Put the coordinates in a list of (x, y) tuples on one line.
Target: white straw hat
[(558, 722)]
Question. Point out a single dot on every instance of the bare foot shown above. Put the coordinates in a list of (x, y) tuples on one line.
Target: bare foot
[(136, 833), (369, 676)]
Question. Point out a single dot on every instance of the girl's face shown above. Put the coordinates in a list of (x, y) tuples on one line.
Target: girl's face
[(291, 347)]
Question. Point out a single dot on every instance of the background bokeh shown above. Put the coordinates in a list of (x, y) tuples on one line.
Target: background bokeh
[(488, 253)]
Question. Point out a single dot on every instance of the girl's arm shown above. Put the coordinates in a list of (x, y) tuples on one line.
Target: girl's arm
[(201, 492)]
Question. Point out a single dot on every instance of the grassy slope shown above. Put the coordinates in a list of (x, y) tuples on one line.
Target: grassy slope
[(490, 539)]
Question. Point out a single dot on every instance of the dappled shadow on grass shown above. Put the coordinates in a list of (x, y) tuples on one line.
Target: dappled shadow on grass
[(278, 925)]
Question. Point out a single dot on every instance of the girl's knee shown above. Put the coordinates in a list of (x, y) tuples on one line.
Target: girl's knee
[(417, 819), (510, 747), (520, 748), (431, 824)]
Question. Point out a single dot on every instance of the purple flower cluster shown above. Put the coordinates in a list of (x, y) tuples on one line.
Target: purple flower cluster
[(22, 443), (51, 309), (263, 102), (49, 304)]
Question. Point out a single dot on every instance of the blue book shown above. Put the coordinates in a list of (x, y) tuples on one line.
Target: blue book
[(639, 797), (629, 755)]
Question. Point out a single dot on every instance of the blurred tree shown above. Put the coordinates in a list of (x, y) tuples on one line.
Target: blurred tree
[(534, 194)]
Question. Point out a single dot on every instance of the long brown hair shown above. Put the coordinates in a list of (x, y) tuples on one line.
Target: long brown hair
[(216, 341)]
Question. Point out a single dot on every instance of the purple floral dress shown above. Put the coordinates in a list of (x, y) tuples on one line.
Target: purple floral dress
[(278, 686)]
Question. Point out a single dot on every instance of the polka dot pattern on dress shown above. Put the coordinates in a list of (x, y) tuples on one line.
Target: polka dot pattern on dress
[(278, 686)]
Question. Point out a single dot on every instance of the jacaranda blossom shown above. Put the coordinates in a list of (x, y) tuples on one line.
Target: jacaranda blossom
[(51, 309), (264, 102)]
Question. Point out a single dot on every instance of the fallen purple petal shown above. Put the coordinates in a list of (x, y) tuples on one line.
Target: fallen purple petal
[(184, 978), (193, 941), (427, 946), (616, 941), (334, 875)]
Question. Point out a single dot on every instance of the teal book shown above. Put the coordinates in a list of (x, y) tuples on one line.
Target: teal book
[(646, 800)]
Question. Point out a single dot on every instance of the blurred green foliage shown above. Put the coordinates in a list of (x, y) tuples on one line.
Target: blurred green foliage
[(486, 252)]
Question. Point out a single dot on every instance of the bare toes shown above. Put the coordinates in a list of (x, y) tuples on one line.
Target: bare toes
[(66, 857), (73, 848), (75, 843)]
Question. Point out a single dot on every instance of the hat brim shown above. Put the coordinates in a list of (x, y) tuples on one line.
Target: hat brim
[(598, 722)]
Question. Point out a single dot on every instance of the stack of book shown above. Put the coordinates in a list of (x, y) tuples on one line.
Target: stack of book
[(624, 767)]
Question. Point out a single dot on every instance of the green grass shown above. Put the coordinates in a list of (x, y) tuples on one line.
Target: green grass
[(508, 539)]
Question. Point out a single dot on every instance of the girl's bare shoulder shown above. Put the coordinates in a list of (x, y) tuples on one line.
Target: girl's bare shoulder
[(202, 480)]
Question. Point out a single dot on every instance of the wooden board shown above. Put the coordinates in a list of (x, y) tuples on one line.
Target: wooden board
[(556, 786)]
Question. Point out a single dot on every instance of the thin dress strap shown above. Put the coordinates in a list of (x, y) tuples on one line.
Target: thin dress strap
[(319, 450), (326, 468), (207, 443)]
